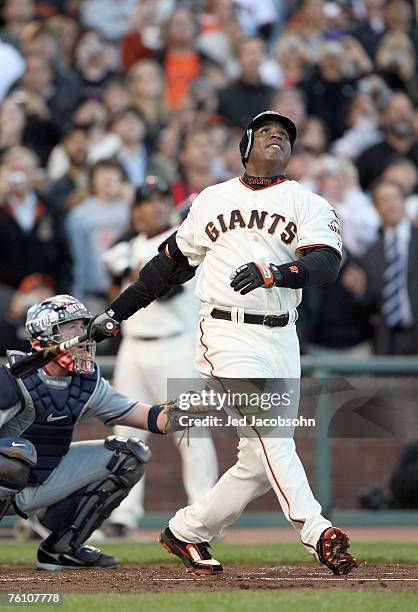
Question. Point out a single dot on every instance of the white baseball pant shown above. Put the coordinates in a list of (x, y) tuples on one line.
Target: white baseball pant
[(227, 349)]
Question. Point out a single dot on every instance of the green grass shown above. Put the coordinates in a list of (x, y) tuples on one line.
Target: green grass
[(285, 600), (139, 553)]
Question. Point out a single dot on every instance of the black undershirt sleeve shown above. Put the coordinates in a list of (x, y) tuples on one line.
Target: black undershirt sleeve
[(169, 269), (134, 297), (318, 266)]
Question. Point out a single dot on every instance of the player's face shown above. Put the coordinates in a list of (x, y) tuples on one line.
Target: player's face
[(153, 216), (271, 147), (82, 354), (389, 204), (70, 330)]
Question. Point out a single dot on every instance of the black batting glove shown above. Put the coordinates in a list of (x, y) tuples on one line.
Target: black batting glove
[(252, 275), (102, 326)]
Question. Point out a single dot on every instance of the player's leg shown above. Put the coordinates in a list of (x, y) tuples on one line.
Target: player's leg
[(142, 372), (198, 454), (225, 355), (126, 516), (129, 378), (277, 452), (227, 350), (89, 482), (217, 362), (275, 446), (198, 461), (194, 526), (222, 505), (288, 479), (17, 456)]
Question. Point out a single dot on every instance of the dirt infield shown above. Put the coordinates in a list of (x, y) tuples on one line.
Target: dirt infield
[(161, 577)]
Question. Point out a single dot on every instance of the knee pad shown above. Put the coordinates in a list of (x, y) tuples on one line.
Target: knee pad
[(73, 519), (5, 504), (17, 456), (128, 459)]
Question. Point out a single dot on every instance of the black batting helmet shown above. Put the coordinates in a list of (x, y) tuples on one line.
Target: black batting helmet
[(246, 141)]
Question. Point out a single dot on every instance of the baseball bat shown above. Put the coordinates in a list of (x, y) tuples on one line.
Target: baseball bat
[(38, 359)]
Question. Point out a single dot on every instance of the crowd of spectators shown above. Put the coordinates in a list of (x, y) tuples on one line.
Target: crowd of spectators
[(96, 94)]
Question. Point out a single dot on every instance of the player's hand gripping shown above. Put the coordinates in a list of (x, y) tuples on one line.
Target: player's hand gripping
[(102, 326), (252, 275)]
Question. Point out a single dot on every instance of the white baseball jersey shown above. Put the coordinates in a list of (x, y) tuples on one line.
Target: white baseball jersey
[(231, 224)]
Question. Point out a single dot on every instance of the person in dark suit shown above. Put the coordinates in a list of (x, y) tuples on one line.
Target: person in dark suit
[(386, 280)]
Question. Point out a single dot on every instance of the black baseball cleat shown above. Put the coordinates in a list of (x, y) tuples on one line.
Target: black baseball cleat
[(332, 549), (86, 557), (196, 557)]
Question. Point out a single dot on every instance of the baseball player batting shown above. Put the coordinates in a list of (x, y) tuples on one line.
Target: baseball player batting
[(260, 239)]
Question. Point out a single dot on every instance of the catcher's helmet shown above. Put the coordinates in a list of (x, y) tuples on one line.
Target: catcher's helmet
[(247, 139), (43, 322)]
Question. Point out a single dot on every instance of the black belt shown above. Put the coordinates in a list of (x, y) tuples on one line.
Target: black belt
[(267, 320)]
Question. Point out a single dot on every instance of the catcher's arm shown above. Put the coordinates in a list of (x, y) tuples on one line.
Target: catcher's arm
[(151, 418), (38, 359), (165, 418)]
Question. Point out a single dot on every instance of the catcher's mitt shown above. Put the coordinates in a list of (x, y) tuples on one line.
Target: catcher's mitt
[(183, 411)]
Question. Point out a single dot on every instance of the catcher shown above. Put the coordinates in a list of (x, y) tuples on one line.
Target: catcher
[(75, 486)]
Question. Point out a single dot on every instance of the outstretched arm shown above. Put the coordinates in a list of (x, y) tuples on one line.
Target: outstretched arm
[(151, 418), (163, 272), (115, 408)]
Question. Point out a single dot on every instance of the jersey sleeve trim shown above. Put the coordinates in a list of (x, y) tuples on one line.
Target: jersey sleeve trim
[(311, 246), (121, 415)]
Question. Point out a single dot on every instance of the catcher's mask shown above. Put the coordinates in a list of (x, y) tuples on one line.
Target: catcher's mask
[(45, 326), (246, 141)]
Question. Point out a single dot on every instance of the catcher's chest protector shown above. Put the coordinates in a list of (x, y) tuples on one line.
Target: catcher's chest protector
[(57, 411)]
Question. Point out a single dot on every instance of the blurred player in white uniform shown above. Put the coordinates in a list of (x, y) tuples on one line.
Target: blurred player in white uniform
[(157, 344), (259, 239)]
